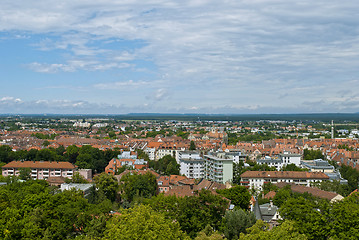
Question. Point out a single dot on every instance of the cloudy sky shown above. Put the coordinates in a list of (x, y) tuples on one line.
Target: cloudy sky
[(163, 56)]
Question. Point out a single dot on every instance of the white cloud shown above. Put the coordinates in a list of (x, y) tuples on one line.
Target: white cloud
[(160, 94), (120, 85), (7, 100), (215, 54)]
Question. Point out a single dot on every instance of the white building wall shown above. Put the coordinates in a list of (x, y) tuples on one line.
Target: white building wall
[(151, 152), (192, 169), (291, 159), (257, 183)]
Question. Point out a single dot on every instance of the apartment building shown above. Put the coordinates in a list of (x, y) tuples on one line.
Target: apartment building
[(218, 167), (281, 160), (271, 162), (289, 158), (191, 164), (256, 179), (41, 169), (164, 151)]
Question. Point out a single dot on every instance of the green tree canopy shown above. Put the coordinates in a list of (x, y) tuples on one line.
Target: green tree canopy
[(193, 213), (236, 222), (312, 154), (166, 165), (76, 178), (260, 231), (324, 220), (31, 210), (238, 195), (142, 222), (192, 146), (108, 185), (24, 173), (292, 167), (138, 186)]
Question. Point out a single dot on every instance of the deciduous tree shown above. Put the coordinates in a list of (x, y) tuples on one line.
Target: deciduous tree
[(108, 185), (142, 222)]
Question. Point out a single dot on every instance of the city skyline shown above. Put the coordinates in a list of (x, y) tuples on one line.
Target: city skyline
[(236, 57)]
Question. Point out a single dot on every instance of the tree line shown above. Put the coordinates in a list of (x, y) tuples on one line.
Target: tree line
[(86, 156)]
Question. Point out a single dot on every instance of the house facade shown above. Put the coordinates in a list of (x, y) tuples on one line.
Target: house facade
[(256, 179)]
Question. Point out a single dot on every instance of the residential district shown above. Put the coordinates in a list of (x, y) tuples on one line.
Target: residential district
[(105, 178)]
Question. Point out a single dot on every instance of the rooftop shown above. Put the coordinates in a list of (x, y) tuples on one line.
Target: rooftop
[(41, 164), (284, 174)]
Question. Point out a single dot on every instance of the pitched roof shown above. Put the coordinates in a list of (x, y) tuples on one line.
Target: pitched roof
[(270, 195), (316, 192), (41, 164), (180, 191), (174, 179), (55, 180), (284, 174)]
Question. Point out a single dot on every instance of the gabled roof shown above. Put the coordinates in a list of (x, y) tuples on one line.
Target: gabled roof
[(316, 192), (180, 191), (41, 164)]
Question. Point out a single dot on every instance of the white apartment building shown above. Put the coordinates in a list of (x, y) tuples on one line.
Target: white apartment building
[(281, 161), (191, 164), (151, 152), (289, 158), (161, 152), (237, 156), (271, 162), (219, 167), (40, 170), (256, 179), (82, 124)]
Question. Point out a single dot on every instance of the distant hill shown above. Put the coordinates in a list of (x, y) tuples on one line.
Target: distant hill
[(307, 117)]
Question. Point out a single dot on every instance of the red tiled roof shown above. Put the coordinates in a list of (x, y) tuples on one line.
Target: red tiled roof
[(33, 164), (174, 179), (314, 191), (180, 191), (270, 195)]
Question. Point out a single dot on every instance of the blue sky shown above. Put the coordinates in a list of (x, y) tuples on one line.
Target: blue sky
[(163, 56)]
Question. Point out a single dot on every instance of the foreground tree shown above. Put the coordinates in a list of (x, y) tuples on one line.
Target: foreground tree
[(260, 231), (236, 222), (108, 185), (142, 222), (24, 173), (193, 213), (138, 186), (238, 195), (76, 178), (30, 210), (166, 165)]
